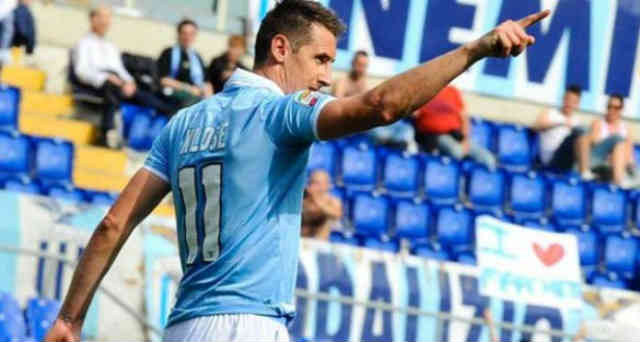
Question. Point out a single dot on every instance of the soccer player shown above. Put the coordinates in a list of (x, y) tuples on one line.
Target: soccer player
[(236, 166)]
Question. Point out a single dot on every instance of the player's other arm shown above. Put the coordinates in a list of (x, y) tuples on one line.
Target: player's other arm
[(401, 95), (139, 198)]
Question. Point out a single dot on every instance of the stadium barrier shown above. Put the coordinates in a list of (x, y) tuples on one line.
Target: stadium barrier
[(344, 293)]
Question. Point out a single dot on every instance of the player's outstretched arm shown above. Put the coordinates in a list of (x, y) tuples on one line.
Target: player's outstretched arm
[(139, 198), (401, 95)]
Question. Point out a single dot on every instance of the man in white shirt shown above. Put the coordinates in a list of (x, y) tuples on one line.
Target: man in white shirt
[(97, 67), (6, 29)]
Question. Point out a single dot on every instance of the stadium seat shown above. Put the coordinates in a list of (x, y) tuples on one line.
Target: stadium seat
[(54, 160), (12, 325), (157, 125), (608, 210), (539, 224), (370, 215), (41, 313), (467, 258), (432, 250), (527, 196), (129, 113), (514, 152), (385, 245), (620, 255), (323, 156), (102, 198), (412, 221), (442, 180), (454, 228), (588, 248), (400, 177), (23, 185), (482, 133), (67, 194), (15, 154), (600, 280), (486, 189), (568, 203), (139, 138), (9, 107), (359, 169)]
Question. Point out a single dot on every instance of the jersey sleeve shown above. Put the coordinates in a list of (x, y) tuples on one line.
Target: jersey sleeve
[(291, 120), (158, 159)]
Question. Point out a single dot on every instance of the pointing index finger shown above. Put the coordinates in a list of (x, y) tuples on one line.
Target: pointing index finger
[(533, 18)]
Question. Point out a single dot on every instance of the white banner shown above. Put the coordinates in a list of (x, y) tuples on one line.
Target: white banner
[(527, 265)]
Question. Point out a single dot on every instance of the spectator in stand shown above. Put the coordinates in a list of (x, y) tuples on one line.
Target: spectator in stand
[(98, 69), (181, 69), (222, 66), (24, 32), (6, 29), (608, 144), (320, 209), (559, 131), (356, 82), (443, 125)]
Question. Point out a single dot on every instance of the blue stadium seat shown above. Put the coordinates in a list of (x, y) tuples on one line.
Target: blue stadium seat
[(486, 189), (467, 258), (324, 156), (385, 245), (129, 112), (514, 152), (482, 133), (587, 247), (359, 169), (139, 138), (412, 221), (568, 203), (23, 185), (455, 228), (157, 125), (601, 280), (400, 177), (102, 198), (370, 215), (442, 180), (527, 196), (15, 154), (432, 250), (608, 210), (9, 107), (636, 152), (620, 255), (67, 194), (12, 325), (41, 313), (54, 160)]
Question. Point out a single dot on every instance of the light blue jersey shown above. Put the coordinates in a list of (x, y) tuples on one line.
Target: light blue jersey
[(236, 164)]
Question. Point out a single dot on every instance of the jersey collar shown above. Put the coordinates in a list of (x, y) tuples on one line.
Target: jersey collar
[(244, 78)]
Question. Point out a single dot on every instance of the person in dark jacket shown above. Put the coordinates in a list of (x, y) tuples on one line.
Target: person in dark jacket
[(181, 69), (24, 27), (220, 67)]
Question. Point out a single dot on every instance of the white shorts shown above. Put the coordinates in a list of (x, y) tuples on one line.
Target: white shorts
[(243, 327)]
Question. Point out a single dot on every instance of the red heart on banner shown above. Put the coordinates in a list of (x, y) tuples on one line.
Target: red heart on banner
[(549, 256)]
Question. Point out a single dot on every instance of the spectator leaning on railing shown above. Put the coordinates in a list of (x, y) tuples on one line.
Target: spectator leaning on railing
[(181, 69), (319, 208)]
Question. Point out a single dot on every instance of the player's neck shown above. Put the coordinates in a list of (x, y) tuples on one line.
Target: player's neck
[(274, 74)]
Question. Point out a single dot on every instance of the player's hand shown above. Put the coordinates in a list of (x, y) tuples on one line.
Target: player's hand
[(508, 39), (129, 89), (62, 331)]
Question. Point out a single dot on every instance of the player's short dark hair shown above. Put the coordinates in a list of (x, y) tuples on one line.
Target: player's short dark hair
[(293, 18), (574, 89), (185, 22), (360, 53), (617, 96)]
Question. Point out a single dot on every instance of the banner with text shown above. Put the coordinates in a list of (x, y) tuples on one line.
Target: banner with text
[(591, 43), (527, 265)]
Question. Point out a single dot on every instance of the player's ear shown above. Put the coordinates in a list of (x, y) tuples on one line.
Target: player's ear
[(280, 47)]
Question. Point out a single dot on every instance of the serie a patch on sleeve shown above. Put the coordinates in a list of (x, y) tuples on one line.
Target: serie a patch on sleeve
[(307, 98)]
